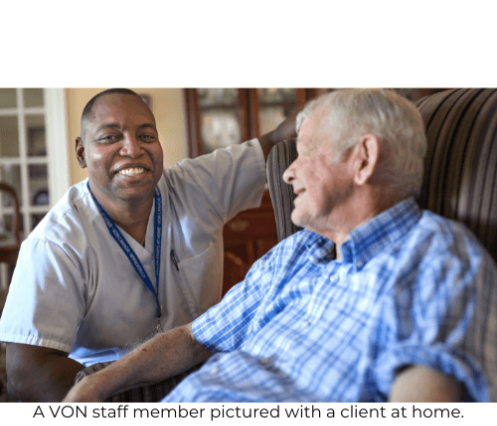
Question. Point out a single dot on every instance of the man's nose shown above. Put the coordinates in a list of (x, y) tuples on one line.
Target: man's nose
[(131, 146), (288, 175)]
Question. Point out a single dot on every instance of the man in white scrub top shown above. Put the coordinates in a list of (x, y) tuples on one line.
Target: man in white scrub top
[(134, 250)]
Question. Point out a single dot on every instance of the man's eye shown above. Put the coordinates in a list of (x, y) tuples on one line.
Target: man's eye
[(148, 138), (107, 138)]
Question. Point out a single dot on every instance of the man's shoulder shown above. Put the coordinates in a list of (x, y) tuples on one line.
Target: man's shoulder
[(67, 218), (446, 232), (437, 238), (220, 158)]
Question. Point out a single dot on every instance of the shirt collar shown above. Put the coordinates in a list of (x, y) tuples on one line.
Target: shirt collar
[(372, 237), (319, 248)]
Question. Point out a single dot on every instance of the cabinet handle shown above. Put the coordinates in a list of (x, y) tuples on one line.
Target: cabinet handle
[(238, 225)]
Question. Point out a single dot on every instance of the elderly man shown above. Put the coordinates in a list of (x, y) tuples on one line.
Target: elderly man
[(131, 251), (375, 300)]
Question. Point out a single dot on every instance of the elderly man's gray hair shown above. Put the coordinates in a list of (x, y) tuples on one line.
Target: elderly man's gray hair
[(395, 121)]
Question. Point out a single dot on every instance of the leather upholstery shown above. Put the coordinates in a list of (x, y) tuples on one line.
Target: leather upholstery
[(282, 196), (460, 179)]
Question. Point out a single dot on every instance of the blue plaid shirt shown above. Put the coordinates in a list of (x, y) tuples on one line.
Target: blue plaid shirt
[(411, 288)]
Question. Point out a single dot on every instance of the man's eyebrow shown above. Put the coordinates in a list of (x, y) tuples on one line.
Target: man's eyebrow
[(108, 126), (117, 126), (145, 125)]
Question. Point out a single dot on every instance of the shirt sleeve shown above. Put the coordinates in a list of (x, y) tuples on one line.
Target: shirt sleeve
[(45, 304), (446, 321), (229, 180)]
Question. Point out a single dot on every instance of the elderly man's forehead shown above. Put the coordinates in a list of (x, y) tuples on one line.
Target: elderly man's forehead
[(320, 118)]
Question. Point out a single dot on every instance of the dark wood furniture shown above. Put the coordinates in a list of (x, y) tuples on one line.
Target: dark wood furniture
[(247, 237), (246, 107)]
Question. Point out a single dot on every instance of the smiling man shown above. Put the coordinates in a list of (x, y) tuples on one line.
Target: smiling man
[(134, 250), (375, 300)]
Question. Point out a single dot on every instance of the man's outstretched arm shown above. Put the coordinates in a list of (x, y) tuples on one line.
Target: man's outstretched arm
[(164, 356), (38, 374)]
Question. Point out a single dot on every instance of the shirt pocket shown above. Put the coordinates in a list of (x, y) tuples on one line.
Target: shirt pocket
[(201, 280)]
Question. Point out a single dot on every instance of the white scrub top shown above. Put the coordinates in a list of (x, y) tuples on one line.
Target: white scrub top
[(75, 290)]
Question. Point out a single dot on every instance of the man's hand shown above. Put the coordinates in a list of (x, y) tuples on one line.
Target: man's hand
[(87, 390), (284, 131), (38, 374)]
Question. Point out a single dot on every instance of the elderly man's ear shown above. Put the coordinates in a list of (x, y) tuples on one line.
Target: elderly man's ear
[(80, 152), (366, 154)]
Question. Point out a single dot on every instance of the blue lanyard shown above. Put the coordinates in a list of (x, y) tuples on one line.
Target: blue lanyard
[(130, 253)]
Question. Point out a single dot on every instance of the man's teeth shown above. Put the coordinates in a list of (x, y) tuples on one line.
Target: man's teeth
[(132, 172)]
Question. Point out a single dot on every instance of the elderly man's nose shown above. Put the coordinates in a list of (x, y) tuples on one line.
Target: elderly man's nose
[(288, 175)]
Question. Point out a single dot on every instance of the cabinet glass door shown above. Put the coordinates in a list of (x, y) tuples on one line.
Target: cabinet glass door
[(274, 106), (219, 118)]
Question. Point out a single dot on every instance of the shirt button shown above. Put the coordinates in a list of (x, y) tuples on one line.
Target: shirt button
[(306, 324), (360, 263), (215, 370), (333, 278), (264, 361)]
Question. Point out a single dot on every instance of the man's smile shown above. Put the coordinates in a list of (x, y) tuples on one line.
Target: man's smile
[(299, 193), (132, 171)]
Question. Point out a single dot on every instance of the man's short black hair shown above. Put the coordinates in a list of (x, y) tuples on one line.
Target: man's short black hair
[(89, 105)]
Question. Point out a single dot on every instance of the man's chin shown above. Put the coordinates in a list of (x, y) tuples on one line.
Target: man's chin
[(297, 219), (135, 193)]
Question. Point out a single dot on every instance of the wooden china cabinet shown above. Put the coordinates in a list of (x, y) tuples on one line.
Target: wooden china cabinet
[(221, 117)]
